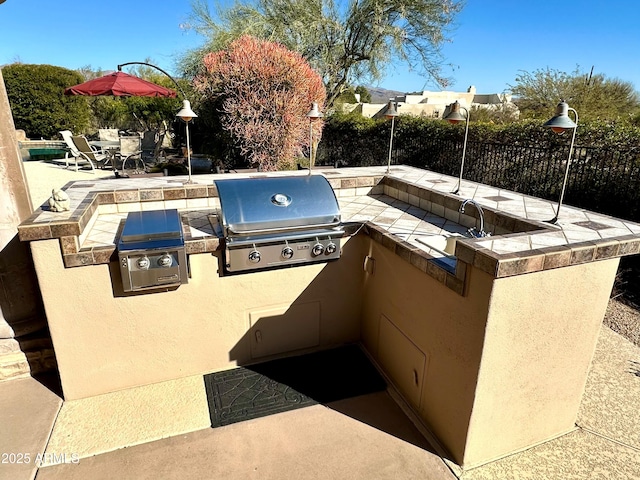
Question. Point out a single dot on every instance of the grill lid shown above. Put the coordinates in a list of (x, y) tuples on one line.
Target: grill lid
[(253, 205)]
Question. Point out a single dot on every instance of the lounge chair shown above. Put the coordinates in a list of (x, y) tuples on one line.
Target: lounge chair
[(72, 150), (89, 153)]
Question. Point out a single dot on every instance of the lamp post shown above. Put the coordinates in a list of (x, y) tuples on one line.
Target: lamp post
[(455, 117), (186, 114), (392, 113), (313, 115), (559, 123)]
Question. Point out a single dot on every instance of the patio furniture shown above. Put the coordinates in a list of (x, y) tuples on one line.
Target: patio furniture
[(152, 146), (110, 148), (131, 153), (67, 136), (90, 153), (108, 134)]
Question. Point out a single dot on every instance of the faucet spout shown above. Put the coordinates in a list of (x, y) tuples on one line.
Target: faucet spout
[(472, 231)]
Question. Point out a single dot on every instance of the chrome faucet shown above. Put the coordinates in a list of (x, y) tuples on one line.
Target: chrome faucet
[(472, 231)]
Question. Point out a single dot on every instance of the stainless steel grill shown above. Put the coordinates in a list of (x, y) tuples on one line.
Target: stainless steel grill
[(278, 221), (151, 251)]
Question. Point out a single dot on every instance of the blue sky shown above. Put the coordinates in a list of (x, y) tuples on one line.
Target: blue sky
[(492, 41)]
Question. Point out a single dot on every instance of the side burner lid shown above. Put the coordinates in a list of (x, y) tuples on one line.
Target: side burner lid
[(151, 225)]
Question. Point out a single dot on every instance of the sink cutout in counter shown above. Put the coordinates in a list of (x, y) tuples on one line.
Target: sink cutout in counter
[(444, 244)]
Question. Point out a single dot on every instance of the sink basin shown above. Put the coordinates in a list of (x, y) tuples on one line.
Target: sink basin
[(445, 244)]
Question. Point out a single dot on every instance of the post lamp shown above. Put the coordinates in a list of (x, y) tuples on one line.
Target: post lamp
[(392, 113), (455, 117), (186, 114), (559, 123), (313, 115)]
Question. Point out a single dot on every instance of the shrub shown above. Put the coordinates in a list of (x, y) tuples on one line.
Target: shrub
[(38, 103), (264, 92)]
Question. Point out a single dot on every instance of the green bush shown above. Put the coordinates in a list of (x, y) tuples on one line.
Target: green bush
[(38, 103), (352, 139)]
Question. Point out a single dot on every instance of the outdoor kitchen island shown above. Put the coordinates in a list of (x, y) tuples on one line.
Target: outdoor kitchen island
[(490, 346)]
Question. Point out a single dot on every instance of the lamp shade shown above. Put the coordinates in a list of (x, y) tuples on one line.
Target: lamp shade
[(454, 115), (391, 111), (186, 113), (561, 121), (314, 112)]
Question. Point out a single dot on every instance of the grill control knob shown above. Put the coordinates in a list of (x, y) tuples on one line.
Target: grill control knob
[(287, 253), (143, 263), (318, 249), (331, 248), (254, 256), (165, 260)]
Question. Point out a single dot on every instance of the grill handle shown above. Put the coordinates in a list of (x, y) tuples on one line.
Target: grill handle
[(283, 229)]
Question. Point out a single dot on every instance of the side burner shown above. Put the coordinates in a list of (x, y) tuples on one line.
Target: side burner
[(151, 251)]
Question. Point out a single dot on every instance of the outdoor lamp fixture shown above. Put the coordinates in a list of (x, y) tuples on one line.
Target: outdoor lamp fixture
[(313, 115), (186, 114), (454, 117), (559, 123), (392, 113)]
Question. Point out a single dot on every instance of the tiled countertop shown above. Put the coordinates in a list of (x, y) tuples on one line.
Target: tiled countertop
[(396, 209)]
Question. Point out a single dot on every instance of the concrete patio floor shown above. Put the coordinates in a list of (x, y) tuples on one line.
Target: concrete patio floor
[(162, 432)]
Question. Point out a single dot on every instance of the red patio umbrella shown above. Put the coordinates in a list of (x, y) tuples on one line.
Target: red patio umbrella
[(120, 84)]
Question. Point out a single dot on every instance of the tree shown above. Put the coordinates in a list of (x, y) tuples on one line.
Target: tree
[(347, 96), (38, 103), (264, 92), (344, 43), (593, 96), (365, 96), (505, 112)]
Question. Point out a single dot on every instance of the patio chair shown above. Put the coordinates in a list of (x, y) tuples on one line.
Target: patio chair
[(131, 154), (152, 146), (72, 150), (89, 153), (108, 134)]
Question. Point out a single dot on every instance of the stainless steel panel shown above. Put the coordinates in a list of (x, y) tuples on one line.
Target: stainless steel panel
[(148, 269), (151, 225), (283, 237), (251, 205), (268, 255)]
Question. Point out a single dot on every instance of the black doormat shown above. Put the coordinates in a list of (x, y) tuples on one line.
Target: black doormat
[(289, 383)]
